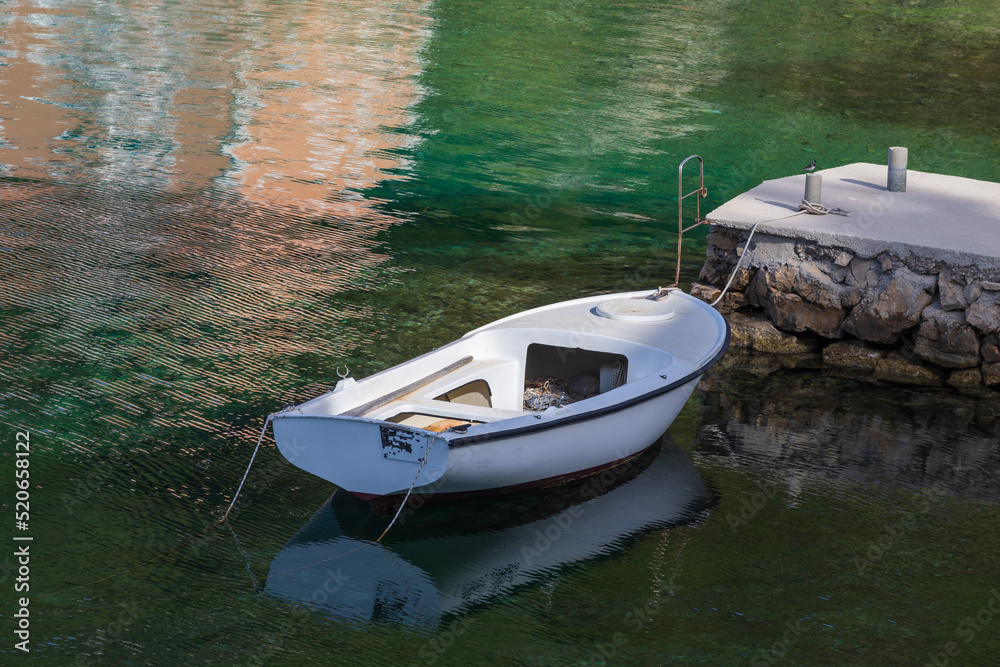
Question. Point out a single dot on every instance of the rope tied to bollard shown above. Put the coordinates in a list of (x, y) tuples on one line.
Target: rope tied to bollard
[(819, 209)]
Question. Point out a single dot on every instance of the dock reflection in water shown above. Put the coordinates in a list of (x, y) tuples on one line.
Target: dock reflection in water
[(806, 430), (445, 559)]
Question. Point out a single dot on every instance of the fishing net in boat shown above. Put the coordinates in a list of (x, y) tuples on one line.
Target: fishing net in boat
[(547, 392), (543, 393)]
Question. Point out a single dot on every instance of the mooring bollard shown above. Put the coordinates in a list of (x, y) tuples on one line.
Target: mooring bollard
[(814, 187), (896, 181)]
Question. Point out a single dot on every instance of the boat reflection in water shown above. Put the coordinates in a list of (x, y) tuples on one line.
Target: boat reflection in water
[(444, 559)]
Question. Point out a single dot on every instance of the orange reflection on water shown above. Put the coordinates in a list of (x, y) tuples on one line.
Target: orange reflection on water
[(31, 123), (316, 95), (294, 105)]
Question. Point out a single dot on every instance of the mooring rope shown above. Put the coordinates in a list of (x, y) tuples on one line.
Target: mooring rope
[(746, 247), (259, 440), (804, 207), (819, 209), (192, 538), (427, 455), (246, 557)]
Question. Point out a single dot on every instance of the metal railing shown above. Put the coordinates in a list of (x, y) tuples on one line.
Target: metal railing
[(702, 192)]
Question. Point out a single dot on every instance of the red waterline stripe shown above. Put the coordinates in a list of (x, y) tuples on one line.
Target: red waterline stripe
[(501, 490)]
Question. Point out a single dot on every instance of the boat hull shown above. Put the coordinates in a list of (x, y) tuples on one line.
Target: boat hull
[(511, 458)]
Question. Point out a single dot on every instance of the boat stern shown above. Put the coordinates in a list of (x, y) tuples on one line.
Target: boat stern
[(369, 458)]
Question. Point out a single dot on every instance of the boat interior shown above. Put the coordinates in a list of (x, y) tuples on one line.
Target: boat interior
[(492, 377), (489, 389)]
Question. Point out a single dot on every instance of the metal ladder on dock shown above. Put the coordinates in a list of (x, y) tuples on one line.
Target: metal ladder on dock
[(701, 193)]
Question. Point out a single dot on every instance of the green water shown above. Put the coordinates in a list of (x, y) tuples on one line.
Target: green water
[(205, 208)]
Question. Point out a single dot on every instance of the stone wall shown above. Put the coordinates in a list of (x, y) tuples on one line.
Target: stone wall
[(908, 319)]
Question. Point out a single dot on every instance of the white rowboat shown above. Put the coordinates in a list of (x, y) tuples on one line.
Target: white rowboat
[(452, 423)]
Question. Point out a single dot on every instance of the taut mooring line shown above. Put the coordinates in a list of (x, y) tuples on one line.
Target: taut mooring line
[(259, 440)]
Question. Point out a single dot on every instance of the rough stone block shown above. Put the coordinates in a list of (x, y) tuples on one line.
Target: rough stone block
[(882, 315), (793, 313), (744, 276), (984, 314), (717, 267), (836, 273), (853, 354), (780, 279), (903, 369), (722, 240), (945, 339), (851, 297), (991, 374), (757, 333), (863, 273), (990, 348), (813, 284), (952, 291), (706, 293), (966, 377), (732, 301)]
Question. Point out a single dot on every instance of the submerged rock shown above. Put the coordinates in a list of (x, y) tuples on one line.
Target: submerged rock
[(966, 377), (991, 374)]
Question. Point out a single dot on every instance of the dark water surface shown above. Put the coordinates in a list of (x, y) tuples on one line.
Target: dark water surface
[(206, 207)]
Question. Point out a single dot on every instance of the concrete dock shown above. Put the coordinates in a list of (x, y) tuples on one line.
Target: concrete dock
[(905, 288), (953, 220)]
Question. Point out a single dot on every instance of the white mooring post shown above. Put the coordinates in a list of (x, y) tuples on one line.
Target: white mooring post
[(896, 181)]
